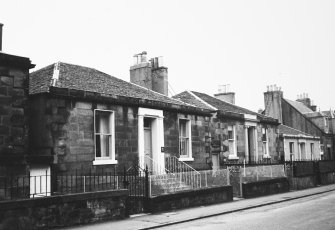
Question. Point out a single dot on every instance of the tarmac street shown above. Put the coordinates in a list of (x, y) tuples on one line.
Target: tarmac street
[(313, 212), (313, 207)]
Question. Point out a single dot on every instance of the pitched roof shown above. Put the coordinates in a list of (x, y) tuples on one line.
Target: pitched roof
[(203, 100), (189, 98), (299, 106), (223, 105), (87, 79), (286, 130), (314, 114)]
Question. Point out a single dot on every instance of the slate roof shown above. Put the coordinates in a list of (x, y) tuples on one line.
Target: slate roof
[(299, 106), (87, 79), (222, 105), (283, 129), (187, 97), (314, 114), (217, 103)]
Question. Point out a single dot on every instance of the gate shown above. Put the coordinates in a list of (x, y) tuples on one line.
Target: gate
[(235, 179)]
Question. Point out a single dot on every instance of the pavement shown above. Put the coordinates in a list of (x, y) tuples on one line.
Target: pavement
[(156, 221)]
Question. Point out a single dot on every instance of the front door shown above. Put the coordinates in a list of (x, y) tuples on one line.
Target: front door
[(148, 143)]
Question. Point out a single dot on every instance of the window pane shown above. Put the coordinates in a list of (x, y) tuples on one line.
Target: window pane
[(147, 122), (182, 128), (230, 135), (105, 145), (97, 146), (183, 145), (102, 124)]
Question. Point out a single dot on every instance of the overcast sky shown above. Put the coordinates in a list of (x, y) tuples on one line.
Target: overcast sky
[(247, 44)]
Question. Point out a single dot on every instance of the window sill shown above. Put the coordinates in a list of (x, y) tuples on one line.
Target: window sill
[(104, 162), (186, 159), (233, 157), (266, 156)]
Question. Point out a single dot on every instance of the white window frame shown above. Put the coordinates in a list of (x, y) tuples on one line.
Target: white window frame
[(111, 158), (289, 146), (188, 156), (265, 142), (312, 146), (232, 141)]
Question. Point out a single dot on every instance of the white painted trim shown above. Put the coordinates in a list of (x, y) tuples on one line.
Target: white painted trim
[(256, 143), (157, 136), (111, 159), (246, 143), (105, 162), (150, 112), (250, 123), (250, 117), (199, 99), (186, 159), (189, 130), (233, 157)]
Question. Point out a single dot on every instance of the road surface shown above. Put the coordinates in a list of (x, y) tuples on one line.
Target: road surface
[(315, 212)]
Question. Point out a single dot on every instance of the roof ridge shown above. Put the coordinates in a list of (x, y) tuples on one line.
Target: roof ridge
[(201, 100), (239, 107)]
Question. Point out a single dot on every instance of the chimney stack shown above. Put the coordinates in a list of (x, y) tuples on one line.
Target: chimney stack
[(149, 74), (305, 100), (224, 94), (272, 102), (1, 25)]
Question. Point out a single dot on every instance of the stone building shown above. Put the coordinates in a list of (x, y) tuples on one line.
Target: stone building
[(297, 145), (89, 120), (14, 144), (242, 135), (301, 115)]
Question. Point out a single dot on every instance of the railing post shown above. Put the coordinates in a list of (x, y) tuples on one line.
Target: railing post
[(241, 187), (46, 183), (147, 186), (228, 176), (11, 186)]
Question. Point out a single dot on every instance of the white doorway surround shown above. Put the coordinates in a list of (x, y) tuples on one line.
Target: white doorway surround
[(251, 137), (155, 119)]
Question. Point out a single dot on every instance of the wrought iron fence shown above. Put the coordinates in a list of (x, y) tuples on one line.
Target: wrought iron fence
[(21, 187)]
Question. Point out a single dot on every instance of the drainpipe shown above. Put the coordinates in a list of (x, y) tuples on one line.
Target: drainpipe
[(1, 25)]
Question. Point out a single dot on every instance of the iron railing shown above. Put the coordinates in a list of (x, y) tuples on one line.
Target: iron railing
[(22, 187)]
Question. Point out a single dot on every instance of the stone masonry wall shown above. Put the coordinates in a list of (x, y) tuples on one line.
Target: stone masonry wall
[(199, 131), (62, 211), (13, 120), (13, 110), (66, 129), (219, 131)]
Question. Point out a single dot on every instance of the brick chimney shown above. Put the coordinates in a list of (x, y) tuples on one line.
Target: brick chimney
[(303, 98), (272, 102), (225, 95), (149, 74)]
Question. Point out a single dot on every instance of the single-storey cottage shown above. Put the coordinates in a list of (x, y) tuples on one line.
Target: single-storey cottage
[(297, 145), (89, 120), (244, 136)]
